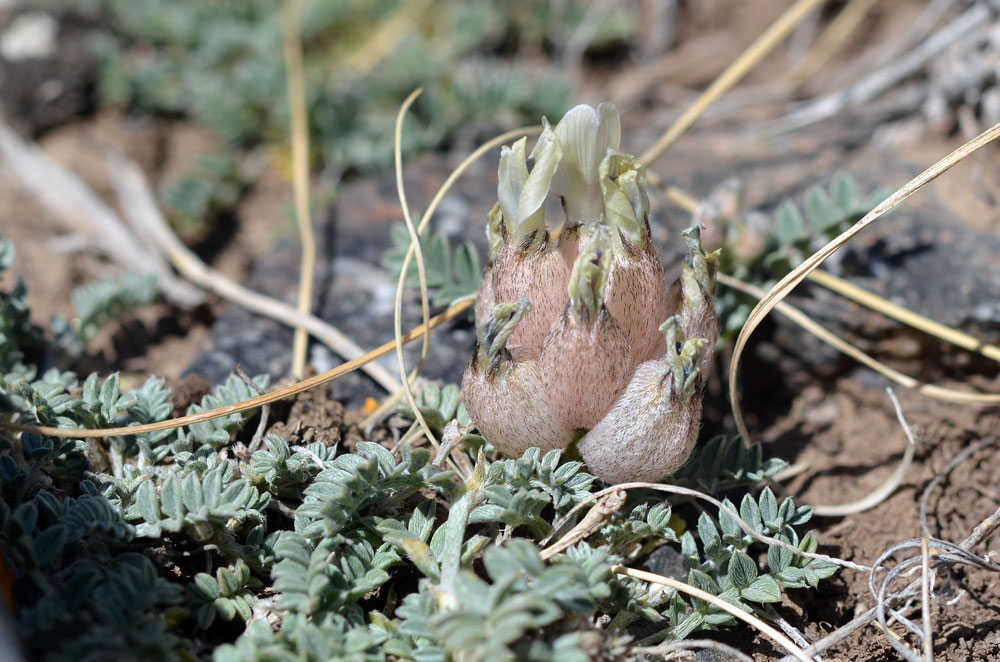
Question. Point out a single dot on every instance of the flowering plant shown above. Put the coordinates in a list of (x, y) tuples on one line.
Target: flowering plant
[(579, 341)]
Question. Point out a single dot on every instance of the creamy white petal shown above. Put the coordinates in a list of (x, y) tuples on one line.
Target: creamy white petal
[(512, 174)]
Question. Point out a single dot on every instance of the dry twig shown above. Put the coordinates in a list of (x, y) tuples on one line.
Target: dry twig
[(877, 82), (736, 612), (73, 203), (831, 339), (138, 204), (590, 524)]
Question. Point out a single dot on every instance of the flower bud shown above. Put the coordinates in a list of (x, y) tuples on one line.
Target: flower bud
[(502, 379), (652, 427), (692, 297), (635, 291), (626, 203), (526, 263), (586, 360)]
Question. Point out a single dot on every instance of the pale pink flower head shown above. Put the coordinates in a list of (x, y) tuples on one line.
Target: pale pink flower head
[(580, 342)]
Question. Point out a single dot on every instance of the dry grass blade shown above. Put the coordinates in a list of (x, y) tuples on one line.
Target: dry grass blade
[(292, 41), (904, 315), (592, 522), (451, 313), (736, 612), (786, 284), (896, 377), (425, 308), (747, 60)]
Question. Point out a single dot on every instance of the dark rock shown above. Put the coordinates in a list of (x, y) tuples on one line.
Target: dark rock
[(353, 291)]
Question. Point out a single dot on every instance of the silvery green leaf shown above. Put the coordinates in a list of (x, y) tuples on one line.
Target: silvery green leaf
[(236, 493), (677, 610), (769, 508), (808, 544), (691, 623), (709, 535), (763, 589), (243, 607), (91, 389), (845, 193), (191, 492), (431, 395), (386, 462), (701, 580), (790, 227), (819, 208), (170, 497), (110, 390), (731, 530), (226, 608), (717, 618), (742, 570), (149, 505), (750, 513), (786, 509), (823, 569), (228, 581), (421, 522), (802, 515), (212, 488), (205, 586), (689, 550), (473, 546), (778, 558)]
